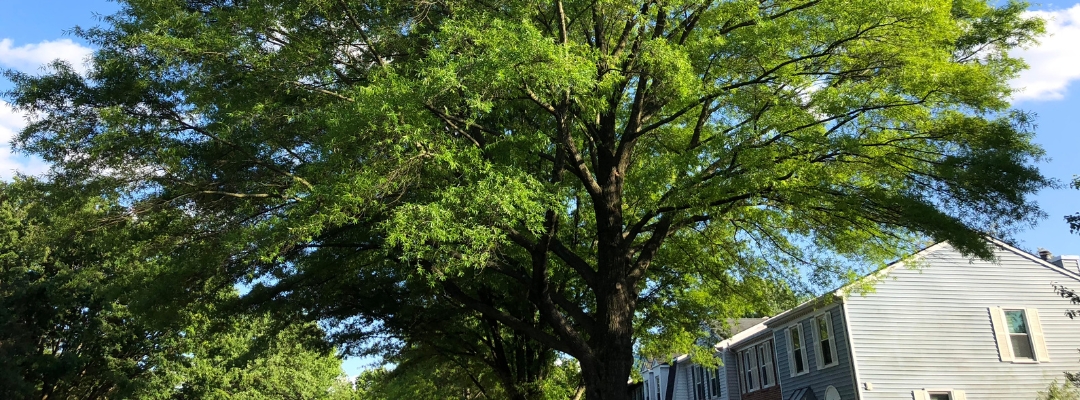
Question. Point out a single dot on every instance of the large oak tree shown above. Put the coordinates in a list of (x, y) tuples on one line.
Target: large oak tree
[(621, 169)]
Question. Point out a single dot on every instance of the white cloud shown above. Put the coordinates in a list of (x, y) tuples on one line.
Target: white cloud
[(31, 57), (1054, 60), (10, 123)]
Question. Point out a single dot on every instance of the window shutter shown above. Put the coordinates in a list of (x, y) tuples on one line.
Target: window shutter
[(816, 345), (920, 395), (959, 395), (755, 372), (790, 354), (832, 336), (1001, 333), (1037, 337)]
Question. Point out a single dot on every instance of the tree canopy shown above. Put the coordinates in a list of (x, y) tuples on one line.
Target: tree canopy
[(71, 327), (593, 175)]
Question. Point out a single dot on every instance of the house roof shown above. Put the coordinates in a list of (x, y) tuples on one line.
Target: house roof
[(834, 296)]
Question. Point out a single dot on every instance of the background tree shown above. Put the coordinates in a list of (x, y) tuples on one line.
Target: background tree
[(70, 327), (599, 161), (64, 332), (251, 359), (424, 376)]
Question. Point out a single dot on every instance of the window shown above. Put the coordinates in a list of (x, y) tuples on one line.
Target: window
[(832, 394), (648, 394), (749, 383), (939, 394), (715, 382), (657, 387), (765, 360), (826, 344), (1019, 335), (796, 352), (699, 383), (757, 367)]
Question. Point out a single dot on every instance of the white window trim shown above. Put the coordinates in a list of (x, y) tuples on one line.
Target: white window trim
[(791, 354), (744, 367), (697, 378), (770, 355), (658, 387), (719, 382), (756, 367), (1035, 335), (817, 340), (924, 394)]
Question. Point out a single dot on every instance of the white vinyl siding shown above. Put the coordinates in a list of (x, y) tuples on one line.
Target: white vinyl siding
[(937, 323)]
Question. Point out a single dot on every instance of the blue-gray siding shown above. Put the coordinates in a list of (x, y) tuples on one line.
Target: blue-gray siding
[(731, 370), (682, 380), (839, 375), (930, 327)]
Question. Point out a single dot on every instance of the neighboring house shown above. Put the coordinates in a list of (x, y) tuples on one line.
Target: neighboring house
[(937, 326)]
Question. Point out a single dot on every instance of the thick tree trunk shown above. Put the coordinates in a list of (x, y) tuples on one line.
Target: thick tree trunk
[(607, 372)]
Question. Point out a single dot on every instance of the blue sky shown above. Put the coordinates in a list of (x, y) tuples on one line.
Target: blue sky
[(34, 32)]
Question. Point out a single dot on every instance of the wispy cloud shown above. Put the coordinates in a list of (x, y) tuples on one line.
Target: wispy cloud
[(10, 123), (31, 57), (1054, 60)]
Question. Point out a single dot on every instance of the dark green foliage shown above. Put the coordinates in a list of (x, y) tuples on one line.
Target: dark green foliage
[(594, 176), (71, 265)]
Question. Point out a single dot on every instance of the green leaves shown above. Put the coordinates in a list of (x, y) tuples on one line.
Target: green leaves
[(582, 173), (464, 227)]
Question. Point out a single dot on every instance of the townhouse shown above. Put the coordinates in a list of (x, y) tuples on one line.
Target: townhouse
[(937, 326)]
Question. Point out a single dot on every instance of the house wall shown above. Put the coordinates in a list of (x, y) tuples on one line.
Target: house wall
[(732, 388), (931, 327), (726, 389), (683, 381), (650, 375), (838, 376)]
